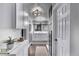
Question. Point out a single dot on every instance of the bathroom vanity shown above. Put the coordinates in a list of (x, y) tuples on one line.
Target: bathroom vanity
[(20, 48)]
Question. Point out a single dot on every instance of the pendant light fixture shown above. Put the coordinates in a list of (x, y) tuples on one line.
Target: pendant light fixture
[(37, 10)]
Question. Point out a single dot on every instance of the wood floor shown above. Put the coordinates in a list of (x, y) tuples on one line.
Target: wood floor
[(38, 50)]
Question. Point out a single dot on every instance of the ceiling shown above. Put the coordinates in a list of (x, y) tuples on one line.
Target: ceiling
[(45, 6)]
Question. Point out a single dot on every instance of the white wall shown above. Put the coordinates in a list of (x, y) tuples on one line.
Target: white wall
[(7, 15), (8, 21), (74, 21), (4, 33)]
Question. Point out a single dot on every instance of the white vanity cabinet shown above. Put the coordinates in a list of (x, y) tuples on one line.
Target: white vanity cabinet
[(40, 36)]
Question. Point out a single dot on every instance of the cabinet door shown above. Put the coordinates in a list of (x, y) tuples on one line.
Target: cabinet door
[(19, 16)]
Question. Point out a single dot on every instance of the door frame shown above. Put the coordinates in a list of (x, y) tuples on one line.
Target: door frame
[(54, 8)]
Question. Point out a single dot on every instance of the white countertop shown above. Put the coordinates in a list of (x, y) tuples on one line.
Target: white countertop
[(19, 46)]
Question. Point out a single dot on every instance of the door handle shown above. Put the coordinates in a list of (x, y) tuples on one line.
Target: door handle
[(56, 40)]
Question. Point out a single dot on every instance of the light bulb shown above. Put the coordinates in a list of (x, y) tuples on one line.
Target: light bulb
[(26, 23)]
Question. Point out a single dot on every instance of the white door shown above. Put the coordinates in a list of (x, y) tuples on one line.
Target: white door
[(63, 30)]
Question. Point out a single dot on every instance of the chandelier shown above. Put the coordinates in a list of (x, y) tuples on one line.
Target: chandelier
[(37, 10)]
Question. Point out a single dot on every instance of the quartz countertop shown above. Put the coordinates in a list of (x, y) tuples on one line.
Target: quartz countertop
[(17, 44), (20, 48)]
